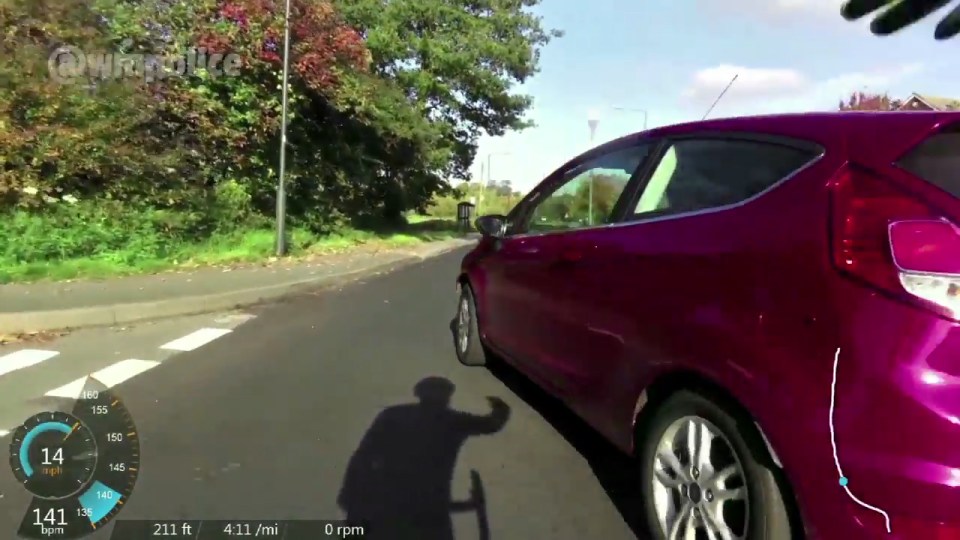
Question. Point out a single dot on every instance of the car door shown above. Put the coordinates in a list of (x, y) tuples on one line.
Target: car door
[(535, 323), (671, 277)]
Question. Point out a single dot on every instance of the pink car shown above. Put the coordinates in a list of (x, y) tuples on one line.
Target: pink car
[(764, 311)]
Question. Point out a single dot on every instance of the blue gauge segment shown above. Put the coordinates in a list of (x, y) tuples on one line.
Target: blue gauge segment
[(31, 435), (81, 466), (100, 500)]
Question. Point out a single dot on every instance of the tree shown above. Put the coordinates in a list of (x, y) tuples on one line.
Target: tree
[(59, 139), (606, 190), (387, 100), (458, 60), (862, 101), (348, 125)]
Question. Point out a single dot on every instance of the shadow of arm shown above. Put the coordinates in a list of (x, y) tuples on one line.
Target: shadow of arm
[(489, 423)]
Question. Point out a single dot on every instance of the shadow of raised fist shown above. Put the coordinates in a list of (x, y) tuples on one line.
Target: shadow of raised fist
[(895, 15)]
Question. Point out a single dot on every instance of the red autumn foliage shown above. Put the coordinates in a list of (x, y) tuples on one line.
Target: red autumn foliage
[(861, 101), (235, 13), (270, 56), (259, 9), (320, 41), (214, 42), (270, 48)]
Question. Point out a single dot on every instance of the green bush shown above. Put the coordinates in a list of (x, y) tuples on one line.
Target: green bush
[(115, 169), (232, 208), (446, 207), (103, 228)]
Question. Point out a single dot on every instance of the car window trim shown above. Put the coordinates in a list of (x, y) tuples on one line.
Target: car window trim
[(555, 181), (631, 193), (816, 150)]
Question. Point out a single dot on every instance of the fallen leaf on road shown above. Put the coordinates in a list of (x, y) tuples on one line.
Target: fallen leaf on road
[(31, 337)]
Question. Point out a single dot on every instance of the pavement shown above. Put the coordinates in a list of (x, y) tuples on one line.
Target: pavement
[(256, 414), (56, 305)]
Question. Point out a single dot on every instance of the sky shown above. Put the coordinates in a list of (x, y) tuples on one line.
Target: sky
[(672, 58)]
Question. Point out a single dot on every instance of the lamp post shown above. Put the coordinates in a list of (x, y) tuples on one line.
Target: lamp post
[(483, 184), (593, 120), (281, 181), (630, 109)]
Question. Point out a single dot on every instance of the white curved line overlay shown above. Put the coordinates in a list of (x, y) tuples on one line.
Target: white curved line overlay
[(833, 441)]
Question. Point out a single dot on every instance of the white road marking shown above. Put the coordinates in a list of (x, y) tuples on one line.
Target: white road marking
[(70, 390), (234, 318), (196, 339), (109, 376), (4, 433), (833, 441), (123, 370), (23, 359)]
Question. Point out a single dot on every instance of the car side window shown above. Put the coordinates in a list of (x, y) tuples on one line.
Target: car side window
[(587, 193), (698, 174)]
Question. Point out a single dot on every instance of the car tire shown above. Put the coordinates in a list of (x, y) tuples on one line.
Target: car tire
[(705, 489), (466, 331)]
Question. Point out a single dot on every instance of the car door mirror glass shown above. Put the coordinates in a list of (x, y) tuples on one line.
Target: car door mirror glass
[(492, 225)]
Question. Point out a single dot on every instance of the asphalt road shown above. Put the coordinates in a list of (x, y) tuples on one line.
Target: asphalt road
[(262, 422)]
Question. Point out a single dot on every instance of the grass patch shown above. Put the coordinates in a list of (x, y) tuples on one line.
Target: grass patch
[(247, 246)]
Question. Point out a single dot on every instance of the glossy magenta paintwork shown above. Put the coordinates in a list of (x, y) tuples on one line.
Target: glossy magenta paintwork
[(748, 298)]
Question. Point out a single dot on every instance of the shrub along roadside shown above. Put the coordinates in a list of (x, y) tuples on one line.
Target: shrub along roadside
[(387, 102), (87, 240)]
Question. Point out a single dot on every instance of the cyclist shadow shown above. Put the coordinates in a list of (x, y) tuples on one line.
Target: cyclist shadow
[(398, 481), (616, 472)]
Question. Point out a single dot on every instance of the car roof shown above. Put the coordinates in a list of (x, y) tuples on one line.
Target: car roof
[(891, 130)]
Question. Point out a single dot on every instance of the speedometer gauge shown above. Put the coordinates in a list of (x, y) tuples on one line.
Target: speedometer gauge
[(53, 455), (80, 467)]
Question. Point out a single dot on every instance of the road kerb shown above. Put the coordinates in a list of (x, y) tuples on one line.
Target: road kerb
[(38, 321)]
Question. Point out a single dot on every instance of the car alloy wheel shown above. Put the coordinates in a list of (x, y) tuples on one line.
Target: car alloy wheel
[(699, 486), (466, 331), (463, 324)]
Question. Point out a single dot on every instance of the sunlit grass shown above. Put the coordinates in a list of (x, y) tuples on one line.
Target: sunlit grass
[(237, 248)]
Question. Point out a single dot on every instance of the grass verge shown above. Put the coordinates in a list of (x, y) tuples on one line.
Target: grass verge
[(249, 246)]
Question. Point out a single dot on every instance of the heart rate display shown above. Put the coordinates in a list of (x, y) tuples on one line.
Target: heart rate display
[(81, 467)]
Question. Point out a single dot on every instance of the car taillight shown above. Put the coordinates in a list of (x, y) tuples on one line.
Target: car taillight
[(927, 254), (894, 241)]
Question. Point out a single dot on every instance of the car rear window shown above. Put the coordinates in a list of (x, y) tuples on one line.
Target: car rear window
[(937, 160), (699, 174)]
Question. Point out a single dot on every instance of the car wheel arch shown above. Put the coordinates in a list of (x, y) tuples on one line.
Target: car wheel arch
[(463, 280), (666, 384)]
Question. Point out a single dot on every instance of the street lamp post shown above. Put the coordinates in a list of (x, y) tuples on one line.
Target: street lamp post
[(281, 181), (483, 184), (593, 120)]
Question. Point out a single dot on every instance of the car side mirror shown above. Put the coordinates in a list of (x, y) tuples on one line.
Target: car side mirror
[(493, 225)]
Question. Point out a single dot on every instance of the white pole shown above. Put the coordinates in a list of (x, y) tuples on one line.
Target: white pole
[(281, 182), (482, 186), (593, 120), (590, 201), (483, 183)]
